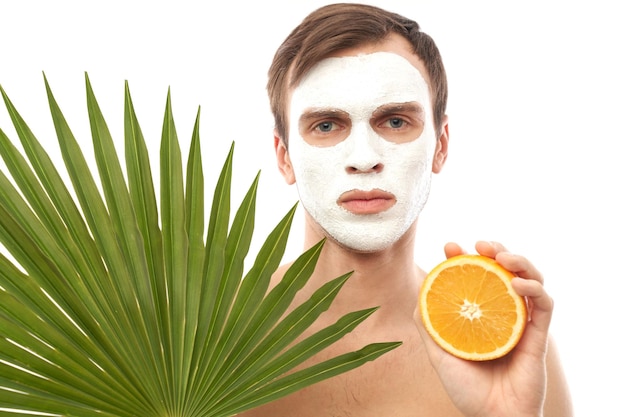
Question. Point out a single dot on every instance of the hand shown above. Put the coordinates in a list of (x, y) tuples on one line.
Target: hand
[(514, 385)]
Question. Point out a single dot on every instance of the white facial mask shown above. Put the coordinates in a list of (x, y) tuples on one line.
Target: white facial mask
[(358, 85)]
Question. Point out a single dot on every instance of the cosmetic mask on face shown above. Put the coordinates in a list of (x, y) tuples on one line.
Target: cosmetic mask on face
[(326, 176)]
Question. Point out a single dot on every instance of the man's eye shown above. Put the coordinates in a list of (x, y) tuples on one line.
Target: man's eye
[(395, 122), (325, 127)]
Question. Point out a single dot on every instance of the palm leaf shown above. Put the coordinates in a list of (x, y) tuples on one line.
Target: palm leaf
[(114, 303)]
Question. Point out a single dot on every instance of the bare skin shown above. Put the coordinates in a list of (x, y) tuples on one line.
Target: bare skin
[(404, 382), (418, 378)]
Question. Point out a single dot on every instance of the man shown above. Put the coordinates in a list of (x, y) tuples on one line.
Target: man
[(359, 98)]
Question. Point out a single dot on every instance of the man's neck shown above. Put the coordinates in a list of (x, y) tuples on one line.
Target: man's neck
[(388, 278)]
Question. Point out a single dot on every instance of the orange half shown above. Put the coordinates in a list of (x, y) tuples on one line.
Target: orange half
[(470, 309)]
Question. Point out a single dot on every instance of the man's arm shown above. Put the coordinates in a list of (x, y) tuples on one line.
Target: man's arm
[(558, 398)]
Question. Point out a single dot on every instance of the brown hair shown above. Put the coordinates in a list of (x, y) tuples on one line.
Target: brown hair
[(341, 26)]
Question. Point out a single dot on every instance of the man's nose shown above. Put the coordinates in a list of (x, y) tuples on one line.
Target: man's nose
[(363, 156), (364, 169)]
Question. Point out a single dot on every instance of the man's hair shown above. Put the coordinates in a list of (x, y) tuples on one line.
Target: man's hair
[(341, 26)]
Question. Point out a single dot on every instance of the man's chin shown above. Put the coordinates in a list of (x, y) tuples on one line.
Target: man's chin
[(362, 244)]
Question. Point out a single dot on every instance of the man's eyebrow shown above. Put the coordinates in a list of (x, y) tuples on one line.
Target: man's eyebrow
[(316, 114), (410, 107)]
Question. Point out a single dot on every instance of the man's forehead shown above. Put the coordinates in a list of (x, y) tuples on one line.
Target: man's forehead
[(371, 79), (374, 62), (392, 43)]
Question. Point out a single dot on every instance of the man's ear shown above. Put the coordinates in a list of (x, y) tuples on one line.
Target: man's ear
[(441, 152), (283, 160)]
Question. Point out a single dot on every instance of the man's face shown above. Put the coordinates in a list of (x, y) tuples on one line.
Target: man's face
[(361, 143)]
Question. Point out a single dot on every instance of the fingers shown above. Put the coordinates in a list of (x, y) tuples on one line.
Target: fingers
[(517, 264), (490, 249), (535, 338), (452, 249), (536, 292), (529, 282)]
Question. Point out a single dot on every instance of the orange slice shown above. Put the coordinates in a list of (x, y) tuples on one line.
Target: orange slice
[(470, 309)]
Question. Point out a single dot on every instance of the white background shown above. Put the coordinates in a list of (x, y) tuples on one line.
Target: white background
[(536, 120)]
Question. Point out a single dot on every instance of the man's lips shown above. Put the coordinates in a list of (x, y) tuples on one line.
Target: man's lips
[(366, 202)]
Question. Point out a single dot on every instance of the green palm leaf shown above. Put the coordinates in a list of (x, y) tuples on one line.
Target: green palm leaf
[(115, 304)]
